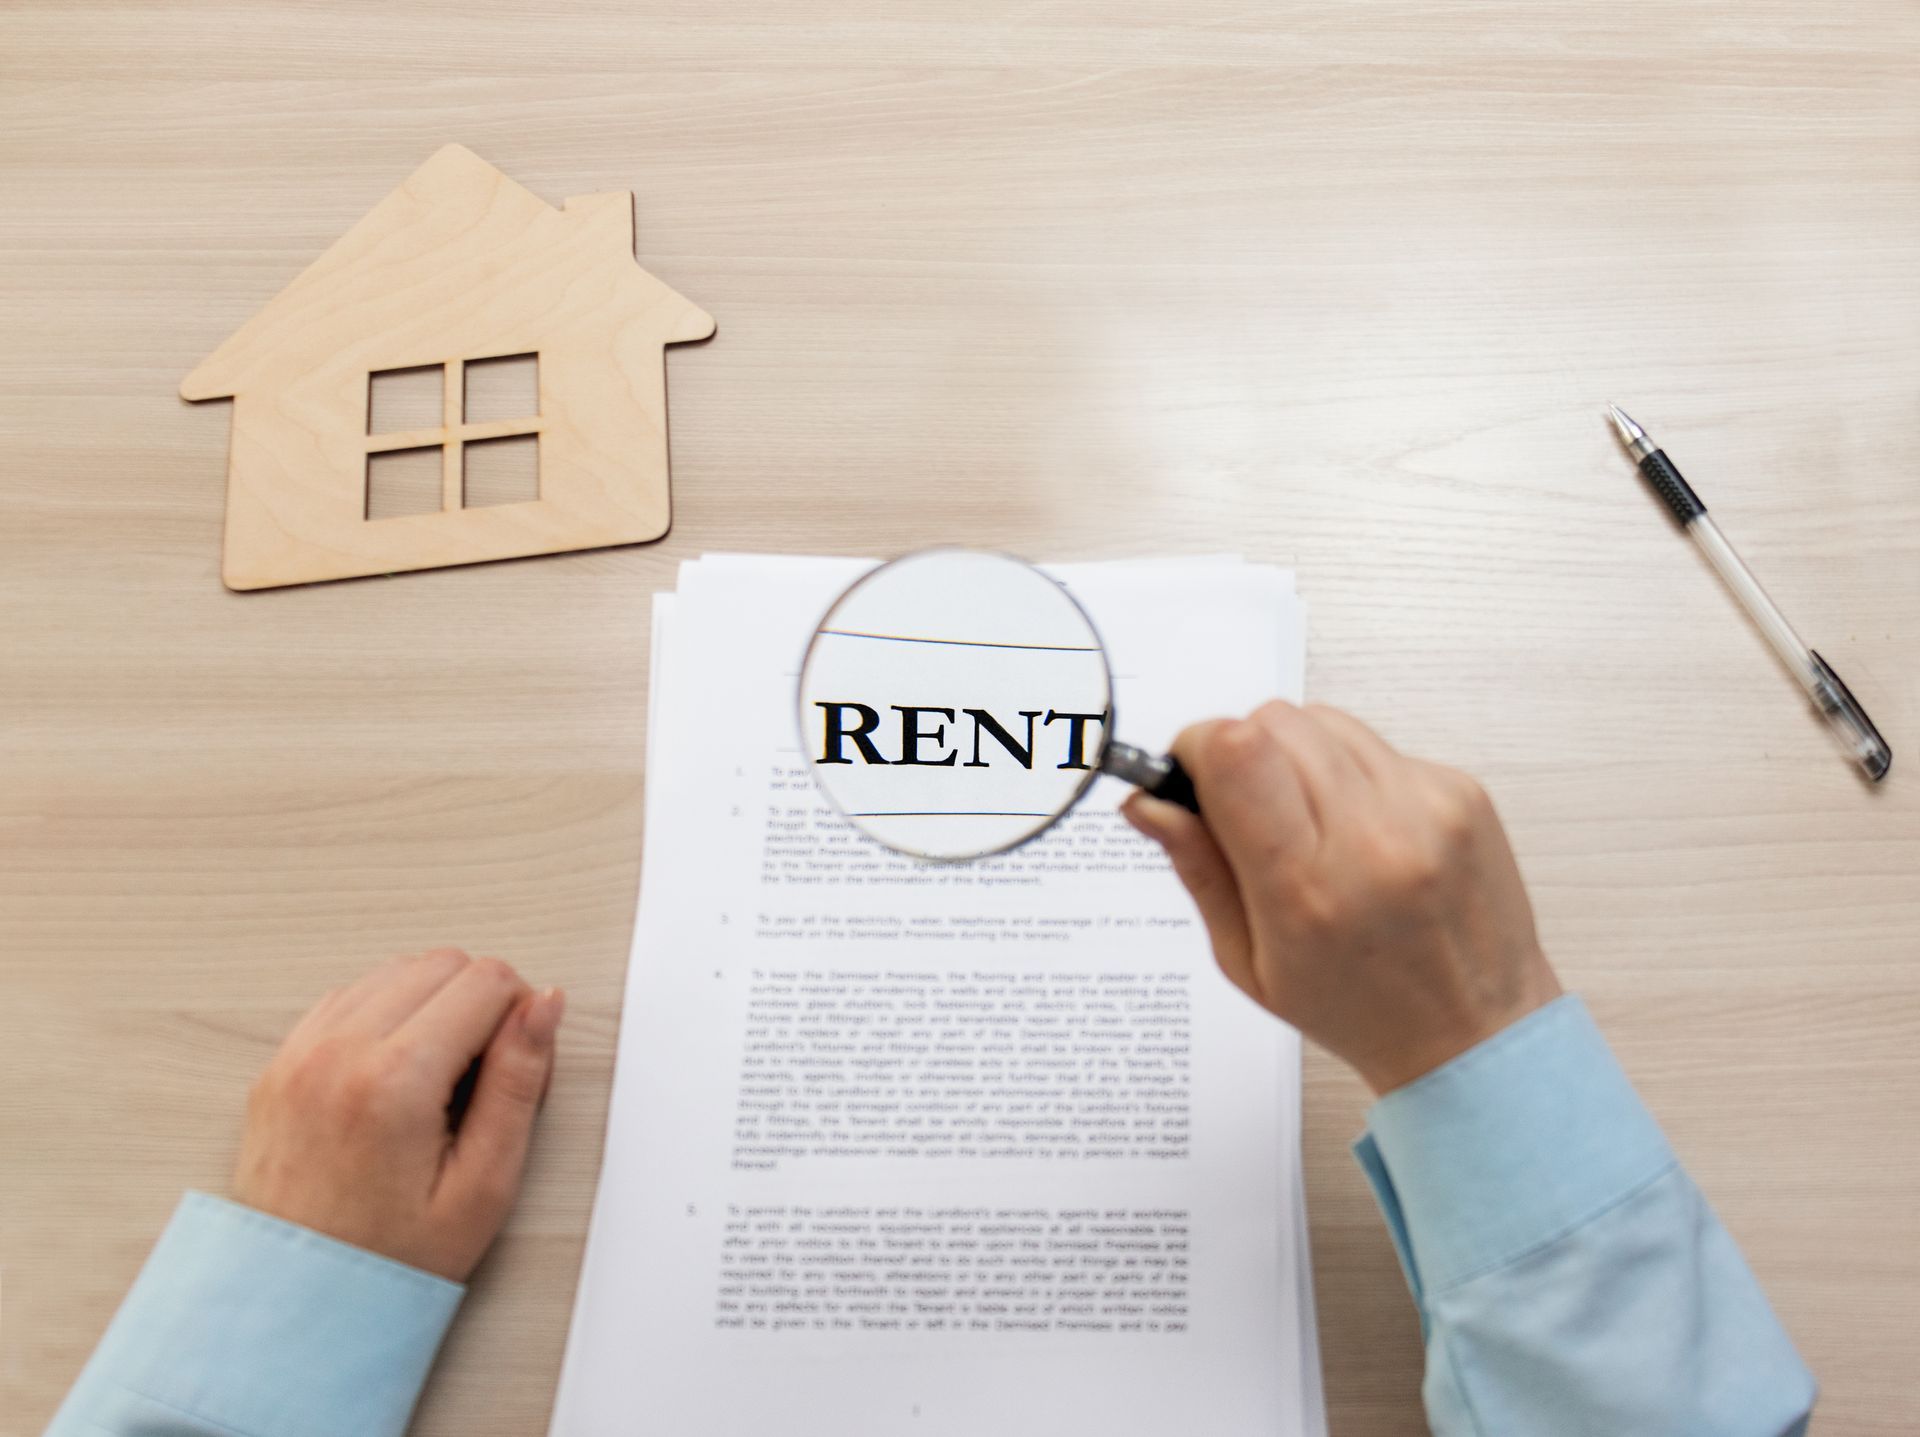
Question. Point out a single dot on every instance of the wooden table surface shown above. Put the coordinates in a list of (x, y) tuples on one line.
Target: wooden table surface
[(1342, 286)]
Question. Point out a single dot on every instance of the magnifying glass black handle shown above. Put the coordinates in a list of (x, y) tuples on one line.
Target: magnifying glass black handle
[(1160, 775)]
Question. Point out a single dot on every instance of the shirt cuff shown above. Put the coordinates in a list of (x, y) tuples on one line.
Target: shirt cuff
[(1517, 1142), (263, 1328)]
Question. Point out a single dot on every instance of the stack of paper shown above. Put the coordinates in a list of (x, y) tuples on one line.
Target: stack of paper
[(905, 1148)]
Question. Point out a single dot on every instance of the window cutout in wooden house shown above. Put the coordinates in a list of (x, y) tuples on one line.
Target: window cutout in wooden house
[(403, 400), (501, 471), (503, 388), (405, 481)]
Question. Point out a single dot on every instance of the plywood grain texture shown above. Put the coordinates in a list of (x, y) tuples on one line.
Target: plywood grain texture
[(455, 269), (1343, 286)]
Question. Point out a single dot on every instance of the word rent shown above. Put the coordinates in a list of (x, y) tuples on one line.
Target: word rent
[(922, 736)]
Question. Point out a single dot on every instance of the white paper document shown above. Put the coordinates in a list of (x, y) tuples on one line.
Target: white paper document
[(946, 1149)]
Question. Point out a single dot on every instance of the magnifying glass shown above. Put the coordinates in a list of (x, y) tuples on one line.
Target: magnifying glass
[(955, 703)]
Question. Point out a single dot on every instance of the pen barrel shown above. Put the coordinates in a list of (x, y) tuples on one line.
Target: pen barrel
[(1673, 491), (1765, 614)]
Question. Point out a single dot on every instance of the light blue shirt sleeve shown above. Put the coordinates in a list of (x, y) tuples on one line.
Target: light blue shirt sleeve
[(242, 1325), (1571, 1279)]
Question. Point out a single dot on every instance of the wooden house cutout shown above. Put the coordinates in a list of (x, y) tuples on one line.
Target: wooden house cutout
[(458, 266)]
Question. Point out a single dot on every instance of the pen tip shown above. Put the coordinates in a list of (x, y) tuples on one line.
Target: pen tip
[(1629, 431)]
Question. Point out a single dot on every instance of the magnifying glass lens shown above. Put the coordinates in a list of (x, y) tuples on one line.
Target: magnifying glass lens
[(954, 703)]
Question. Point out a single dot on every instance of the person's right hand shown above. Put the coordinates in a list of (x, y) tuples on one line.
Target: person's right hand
[(349, 1130), (1369, 899)]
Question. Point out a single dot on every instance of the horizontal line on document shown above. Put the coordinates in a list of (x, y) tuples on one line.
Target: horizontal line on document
[(964, 643), (952, 813)]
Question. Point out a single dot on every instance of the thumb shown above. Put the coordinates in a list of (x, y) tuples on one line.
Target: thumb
[(491, 1150), (1200, 865)]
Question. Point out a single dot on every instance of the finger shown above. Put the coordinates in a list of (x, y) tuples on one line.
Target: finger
[(491, 1151), (455, 1025), (384, 999), (1328, 772), (1374, 755), (316, 1020), (1256, 806), (1203, 868)]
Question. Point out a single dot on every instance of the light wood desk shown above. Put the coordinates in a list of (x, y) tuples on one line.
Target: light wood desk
[(1344, 286)]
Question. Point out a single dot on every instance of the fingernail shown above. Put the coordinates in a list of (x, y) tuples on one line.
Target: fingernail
[(543, 1016)]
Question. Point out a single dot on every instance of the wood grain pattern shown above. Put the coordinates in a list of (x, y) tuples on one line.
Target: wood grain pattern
[(1344, 286)]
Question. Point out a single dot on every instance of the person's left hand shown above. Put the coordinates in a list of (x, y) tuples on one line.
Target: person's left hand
[(348, 1132)]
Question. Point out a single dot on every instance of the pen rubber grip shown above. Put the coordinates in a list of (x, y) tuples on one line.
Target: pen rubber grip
[(1674, 491)]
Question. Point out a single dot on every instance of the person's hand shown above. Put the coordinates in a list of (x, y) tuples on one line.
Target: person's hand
[(1369, 899), (348, 1130)]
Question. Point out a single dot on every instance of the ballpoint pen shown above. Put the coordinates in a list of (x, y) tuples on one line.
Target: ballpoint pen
[(1830, 696)]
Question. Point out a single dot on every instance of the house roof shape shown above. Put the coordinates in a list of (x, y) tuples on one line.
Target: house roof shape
[(458, 264), (454, 227)]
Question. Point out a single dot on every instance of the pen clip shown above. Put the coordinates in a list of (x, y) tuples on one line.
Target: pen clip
[(1843, 712)]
